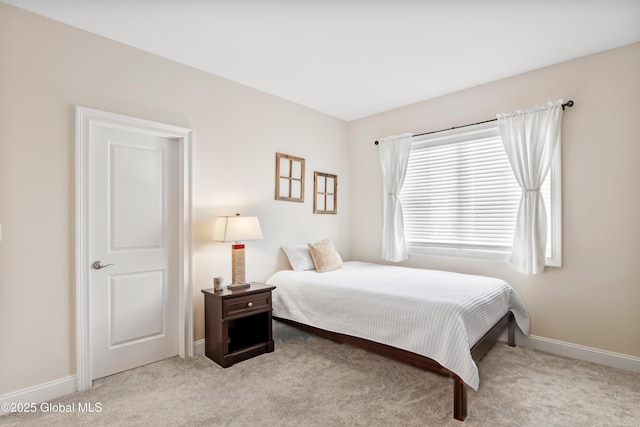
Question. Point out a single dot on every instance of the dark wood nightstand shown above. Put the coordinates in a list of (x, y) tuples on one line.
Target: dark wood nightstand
[(237, 323)]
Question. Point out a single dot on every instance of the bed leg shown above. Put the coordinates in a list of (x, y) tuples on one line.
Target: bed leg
[(459, 399), (512, 330)]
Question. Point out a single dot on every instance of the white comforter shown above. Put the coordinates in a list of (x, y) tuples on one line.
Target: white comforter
[(433, 313)]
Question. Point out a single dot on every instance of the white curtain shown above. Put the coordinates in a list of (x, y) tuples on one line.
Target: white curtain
[(394, 156), (530, 139)]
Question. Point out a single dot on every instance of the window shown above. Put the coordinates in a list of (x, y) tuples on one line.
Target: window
[(460, 196)]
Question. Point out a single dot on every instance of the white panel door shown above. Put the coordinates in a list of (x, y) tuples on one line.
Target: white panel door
[(133, 248)]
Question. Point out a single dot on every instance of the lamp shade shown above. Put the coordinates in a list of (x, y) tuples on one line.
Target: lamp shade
[(236, 229)]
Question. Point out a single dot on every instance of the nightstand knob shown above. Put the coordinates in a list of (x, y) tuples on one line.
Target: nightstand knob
[(249, 304)]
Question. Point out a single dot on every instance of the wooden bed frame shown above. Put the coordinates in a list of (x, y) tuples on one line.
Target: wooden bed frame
[(459, 388)]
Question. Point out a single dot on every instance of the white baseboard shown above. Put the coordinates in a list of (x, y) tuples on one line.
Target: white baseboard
[(576, 351), (580, 352), (198, 347), (39, 393)]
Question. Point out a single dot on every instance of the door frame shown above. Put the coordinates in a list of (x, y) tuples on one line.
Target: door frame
[(85, 118)]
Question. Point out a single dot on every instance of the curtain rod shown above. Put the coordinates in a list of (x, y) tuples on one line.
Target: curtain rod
[(566, 104)]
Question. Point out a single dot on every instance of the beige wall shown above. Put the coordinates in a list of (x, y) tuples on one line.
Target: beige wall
[(593, 299), (46, 68)]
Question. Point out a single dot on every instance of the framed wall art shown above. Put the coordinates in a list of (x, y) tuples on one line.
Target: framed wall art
[(325, 193), (289, 178)]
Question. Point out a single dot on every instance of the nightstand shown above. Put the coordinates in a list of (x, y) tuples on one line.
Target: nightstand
[(237, 323)]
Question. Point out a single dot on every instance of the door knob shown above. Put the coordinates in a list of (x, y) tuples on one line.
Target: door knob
[(98, 265)]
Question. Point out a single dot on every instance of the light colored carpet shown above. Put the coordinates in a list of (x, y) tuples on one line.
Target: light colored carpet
[(309, 381)]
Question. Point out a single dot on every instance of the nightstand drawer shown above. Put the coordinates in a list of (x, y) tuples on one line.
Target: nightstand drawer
[(247, 304)]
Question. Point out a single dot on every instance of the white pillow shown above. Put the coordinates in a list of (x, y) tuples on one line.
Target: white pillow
[(299, 256)]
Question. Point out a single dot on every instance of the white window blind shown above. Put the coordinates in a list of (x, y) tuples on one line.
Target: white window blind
[(460, 192)]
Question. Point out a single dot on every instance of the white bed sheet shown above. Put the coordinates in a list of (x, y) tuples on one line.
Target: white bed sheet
[(437, 314)]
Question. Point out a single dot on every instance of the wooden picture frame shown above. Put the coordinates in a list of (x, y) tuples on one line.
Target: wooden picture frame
[(325, 193), (289, 178)]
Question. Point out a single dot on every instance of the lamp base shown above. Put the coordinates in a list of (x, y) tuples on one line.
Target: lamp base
[(237, 263), (238, 285)]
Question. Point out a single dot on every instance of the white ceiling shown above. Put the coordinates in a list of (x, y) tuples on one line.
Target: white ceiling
[(355, 58)]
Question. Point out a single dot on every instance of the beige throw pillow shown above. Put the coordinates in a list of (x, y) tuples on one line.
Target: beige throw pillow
[(324, 256)]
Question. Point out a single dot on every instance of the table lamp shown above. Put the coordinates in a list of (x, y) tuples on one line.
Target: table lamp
[(236, 229)]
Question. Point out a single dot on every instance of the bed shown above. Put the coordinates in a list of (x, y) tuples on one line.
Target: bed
[(436, 320)]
